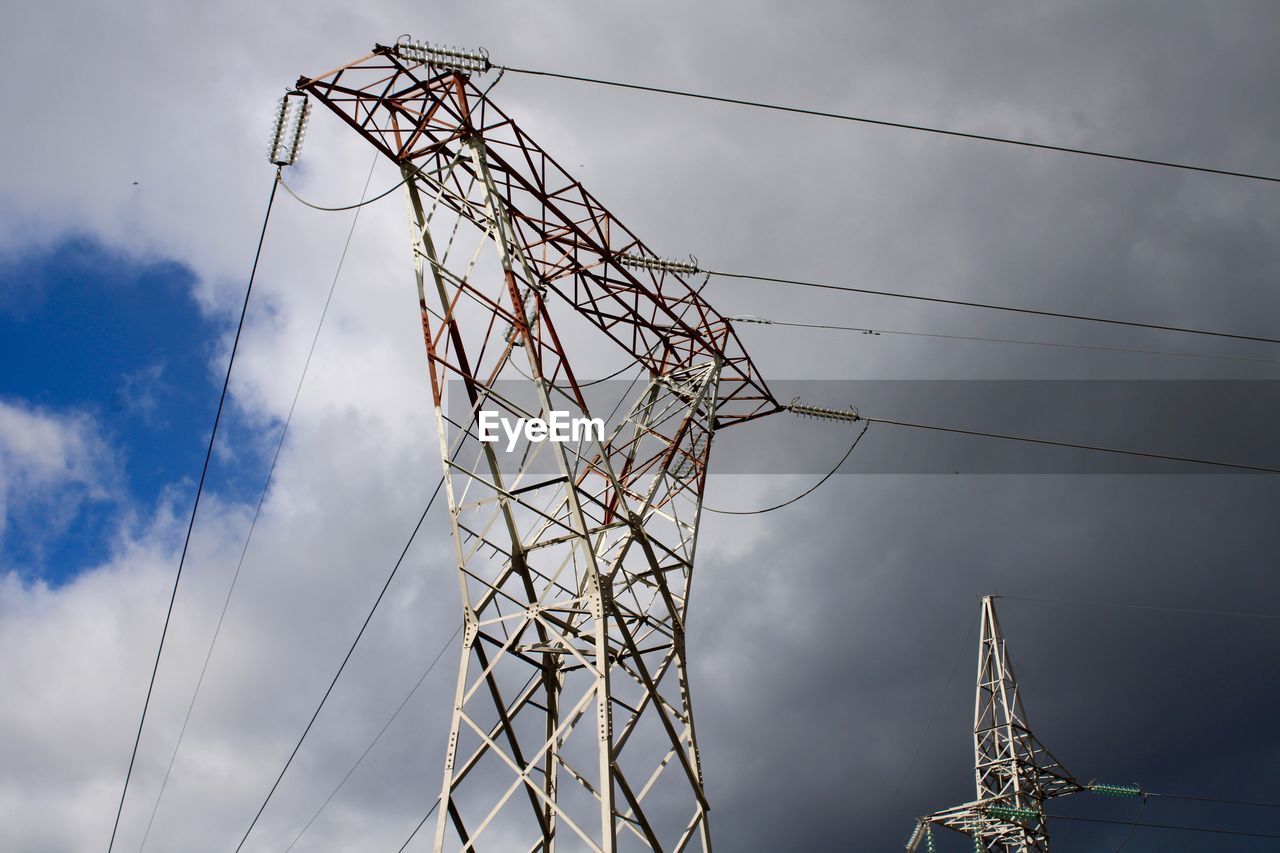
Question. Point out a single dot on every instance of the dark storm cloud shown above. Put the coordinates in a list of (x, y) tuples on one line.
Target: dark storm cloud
[(827, 641), (823, 655)]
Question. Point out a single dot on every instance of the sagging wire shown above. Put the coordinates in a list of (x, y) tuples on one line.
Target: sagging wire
[(1142, 807), (865, 426), (418, 172), (614, 375), (355, 206)]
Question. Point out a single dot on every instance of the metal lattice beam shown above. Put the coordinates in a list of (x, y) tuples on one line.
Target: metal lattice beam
[(419, 116), (572, 726), (1014, 772)]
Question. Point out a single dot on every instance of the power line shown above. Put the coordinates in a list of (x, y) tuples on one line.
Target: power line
[(1253, 803), (853, 416), (425, 817), (436, 804), (993, 307), (257, 512), (1133, 827), (803, 494), (376, 738), (614, 375), (980, 137), (961, 648), (363, 201), (417, 172), (186, 543), (1128, 605), (877, 331), (1061, 315), (1178, 827), (342, 666), (1096, 448)]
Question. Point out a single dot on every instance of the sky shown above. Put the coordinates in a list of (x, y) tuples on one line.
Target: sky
[(832, 643)]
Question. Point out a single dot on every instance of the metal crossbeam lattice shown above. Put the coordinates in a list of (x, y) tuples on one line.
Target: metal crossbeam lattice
[(1014, 772), (572, 727)]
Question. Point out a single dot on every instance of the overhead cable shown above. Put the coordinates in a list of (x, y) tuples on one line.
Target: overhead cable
[(1171, 826), (961, 652), (854, 416), (1133, 827), (342, 667), (382, 731), (355, 206), (879, 331), (257, 512), (1254, 803), (980, 137), (805, 493), (1095, 448), (425, 818), (195, 506), (418, 172), (964, 303), (1200, 611)]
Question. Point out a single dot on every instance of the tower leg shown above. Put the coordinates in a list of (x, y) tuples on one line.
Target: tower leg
[(574, 563)]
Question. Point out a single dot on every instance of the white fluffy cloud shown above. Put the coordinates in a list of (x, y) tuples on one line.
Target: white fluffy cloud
[(50, 464), (77, 657)]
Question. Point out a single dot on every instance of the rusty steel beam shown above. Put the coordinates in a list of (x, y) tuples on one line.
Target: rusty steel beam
[(418, 116)]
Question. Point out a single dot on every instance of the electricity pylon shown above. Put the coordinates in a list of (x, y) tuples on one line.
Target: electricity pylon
[(572, 726), (1013, 770)]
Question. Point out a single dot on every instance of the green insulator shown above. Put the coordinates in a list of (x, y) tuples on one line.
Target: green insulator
[(1011, 812), (1117, 790), (928, 839)]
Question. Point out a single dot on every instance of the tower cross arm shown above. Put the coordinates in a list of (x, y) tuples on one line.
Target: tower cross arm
[(419, 115)]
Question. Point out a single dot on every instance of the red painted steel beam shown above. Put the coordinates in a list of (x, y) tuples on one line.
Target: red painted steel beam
[(417, 114)]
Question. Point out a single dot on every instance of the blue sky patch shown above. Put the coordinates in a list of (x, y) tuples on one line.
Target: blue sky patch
[(86, 329)]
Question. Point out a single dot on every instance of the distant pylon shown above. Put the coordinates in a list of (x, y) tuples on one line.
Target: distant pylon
[(1013, 770)]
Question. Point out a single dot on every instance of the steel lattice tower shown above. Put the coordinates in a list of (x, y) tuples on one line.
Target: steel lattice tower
[(572, 726), (1014, 772)]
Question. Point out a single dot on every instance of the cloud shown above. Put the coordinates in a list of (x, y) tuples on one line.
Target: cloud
[(826, 631), (50, 465), (141, 392), (79, 655)]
